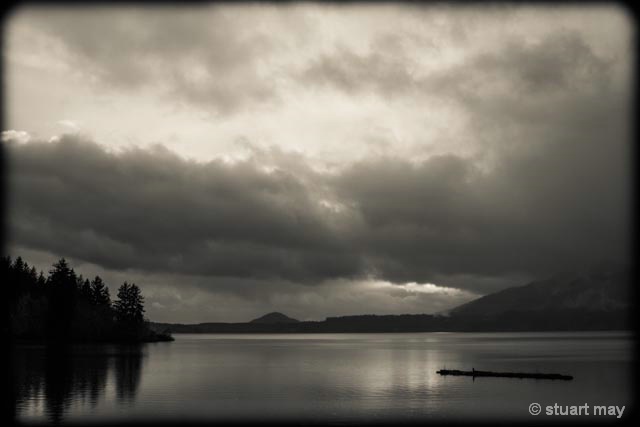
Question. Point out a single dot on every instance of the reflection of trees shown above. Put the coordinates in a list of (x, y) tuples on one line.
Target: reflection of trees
[(24, 382), (11, 394), (58, 383), (67, 376), (128, 367)]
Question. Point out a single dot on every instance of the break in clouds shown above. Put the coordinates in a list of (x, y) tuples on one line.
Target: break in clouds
[(318, 160)]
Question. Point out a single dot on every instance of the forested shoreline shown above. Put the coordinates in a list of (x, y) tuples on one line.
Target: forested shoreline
[(65, 307)]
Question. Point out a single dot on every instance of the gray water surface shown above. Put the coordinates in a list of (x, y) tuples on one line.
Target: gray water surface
[(324, 377)]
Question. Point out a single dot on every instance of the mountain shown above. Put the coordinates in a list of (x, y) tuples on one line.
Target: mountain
[(599, 290), (274, 317), (596, 300)]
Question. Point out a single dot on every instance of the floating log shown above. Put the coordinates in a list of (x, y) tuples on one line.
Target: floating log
[(474, 373)]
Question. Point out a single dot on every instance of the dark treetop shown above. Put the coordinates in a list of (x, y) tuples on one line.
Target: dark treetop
[(65, 307)]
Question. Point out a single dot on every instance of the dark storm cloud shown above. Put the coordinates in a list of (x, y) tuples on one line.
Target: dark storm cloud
[(557, 133), (558, 205), (151, 210), (534, 216), (548, 189)]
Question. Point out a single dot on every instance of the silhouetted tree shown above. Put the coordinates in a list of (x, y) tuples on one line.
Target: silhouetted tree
[(85, 288), (62, 277), (67, 307), (26, 303), (95, 315), (100, 293), (8, 301), (63, 291), (41, 282), (129, 306), (19, 266)]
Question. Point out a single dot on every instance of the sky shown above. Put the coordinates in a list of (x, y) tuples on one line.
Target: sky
[(317, 160)]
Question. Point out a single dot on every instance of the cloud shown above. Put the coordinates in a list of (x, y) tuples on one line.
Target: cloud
[(207, 56), (226, 59), (150, 209), (561, 63), (445, 220), (69, 124), (195, 299), (384, 71), (445, 217), (19, 136), (480, 150), (549, 188)]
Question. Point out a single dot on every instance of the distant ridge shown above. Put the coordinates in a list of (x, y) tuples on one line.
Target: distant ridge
[(595, 300), (274, 317), (601, 290)]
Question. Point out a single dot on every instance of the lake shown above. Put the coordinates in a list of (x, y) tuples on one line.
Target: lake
[(323, 377)]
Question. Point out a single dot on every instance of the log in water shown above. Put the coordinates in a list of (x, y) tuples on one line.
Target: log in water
[(475, 373)]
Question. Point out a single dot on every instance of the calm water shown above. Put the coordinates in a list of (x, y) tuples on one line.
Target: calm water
[(329, 377)]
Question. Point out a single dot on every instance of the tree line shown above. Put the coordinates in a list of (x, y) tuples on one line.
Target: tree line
[(66, 307)]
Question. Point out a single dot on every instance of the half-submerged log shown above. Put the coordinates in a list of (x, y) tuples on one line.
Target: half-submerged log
[(474, 373)]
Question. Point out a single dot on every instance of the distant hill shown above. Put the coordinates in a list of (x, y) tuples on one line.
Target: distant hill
[(274, 317), (593, 301), (596, 291)]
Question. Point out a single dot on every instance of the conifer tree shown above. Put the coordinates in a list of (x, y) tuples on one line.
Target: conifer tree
[(129, 306)]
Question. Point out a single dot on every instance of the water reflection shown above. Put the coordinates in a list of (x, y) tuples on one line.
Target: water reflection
[(128, 367), (334, 378), (53, 382)]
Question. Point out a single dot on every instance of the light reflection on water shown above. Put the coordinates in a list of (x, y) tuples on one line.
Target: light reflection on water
[(333, 377)]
